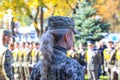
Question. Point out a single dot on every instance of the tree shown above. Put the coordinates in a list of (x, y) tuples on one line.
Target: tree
[(37, 10), (110, 11), (88, 23)]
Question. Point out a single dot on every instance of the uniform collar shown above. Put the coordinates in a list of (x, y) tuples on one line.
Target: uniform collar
[(61, 49)]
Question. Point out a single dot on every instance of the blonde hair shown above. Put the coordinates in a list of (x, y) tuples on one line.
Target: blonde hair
[(47, 42)]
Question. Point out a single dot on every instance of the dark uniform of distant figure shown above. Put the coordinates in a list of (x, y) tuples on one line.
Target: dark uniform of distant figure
[(54, 44), (80, 56), (5, 56), (93, 61)]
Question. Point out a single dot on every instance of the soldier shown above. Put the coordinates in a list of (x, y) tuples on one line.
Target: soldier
[(118, 59), (93, 61), (54, 43), (109, 60), (81, 55), (5, 56), (35, 53), (26, 60), (11, 47), (20, 60), (15, 60), (100, 48)]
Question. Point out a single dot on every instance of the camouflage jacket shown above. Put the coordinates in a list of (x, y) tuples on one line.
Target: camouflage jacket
[(62, 67), (8, 65)]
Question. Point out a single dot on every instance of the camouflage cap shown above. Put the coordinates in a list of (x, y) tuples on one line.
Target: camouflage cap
[(90, 43), (60, 22), (7, 33)]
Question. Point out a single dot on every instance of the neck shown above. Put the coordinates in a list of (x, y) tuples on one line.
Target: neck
[(62, 44)]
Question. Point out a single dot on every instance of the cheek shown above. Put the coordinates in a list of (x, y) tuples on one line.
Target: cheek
[(8, 39), (71, 40)]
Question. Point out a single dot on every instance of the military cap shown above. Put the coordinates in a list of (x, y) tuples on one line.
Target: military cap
[(90, 43), (110, 41), (61, 22), (5, 32)]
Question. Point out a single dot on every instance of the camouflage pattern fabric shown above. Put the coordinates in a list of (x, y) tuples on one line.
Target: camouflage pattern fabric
[(8, 65), (62, 67)]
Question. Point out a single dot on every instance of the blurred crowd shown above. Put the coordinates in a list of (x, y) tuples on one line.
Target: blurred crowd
[(25, 55), (107, 63)]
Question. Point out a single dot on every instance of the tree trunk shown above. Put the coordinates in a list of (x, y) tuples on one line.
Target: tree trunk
[(12, 28), (41, 20)]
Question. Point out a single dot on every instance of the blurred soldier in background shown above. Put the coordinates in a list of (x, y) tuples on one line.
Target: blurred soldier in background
[(5, 56), (15, 60), (26, 60), (118, 60), (109, 60), (100, 48), (80, 55), (35, 53), (20, 60), (93, 61)]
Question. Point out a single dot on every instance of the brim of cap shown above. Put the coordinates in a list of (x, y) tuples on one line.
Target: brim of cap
[(12, 36), (76, 31)]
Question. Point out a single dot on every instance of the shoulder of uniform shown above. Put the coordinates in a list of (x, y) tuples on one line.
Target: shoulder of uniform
[(3, 49), (37, 65), (72, 62)]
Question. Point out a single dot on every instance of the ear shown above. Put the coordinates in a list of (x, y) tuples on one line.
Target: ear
[(66, 37)]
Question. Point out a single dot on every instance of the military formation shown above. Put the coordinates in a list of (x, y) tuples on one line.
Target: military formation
[(25, 55)]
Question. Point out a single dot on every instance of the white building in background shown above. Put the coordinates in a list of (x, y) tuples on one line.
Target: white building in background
[(26, 34)]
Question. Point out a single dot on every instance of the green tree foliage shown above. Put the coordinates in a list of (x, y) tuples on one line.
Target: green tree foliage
[(88, 23)]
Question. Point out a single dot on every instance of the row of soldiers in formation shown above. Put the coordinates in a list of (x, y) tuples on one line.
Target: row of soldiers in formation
[(110, 58), (25, 55)]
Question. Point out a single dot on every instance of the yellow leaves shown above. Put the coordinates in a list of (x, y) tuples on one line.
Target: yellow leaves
[(106, 8), (100, 1), (59, 7), (33, 4), (1, 14), (110, 11)]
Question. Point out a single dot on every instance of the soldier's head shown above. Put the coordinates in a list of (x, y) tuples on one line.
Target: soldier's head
[(5, 37), (27, 45), (81, 46), (16, 44), (11, 46), (22, 44), (110, 44), (91, 45), (62, 31)]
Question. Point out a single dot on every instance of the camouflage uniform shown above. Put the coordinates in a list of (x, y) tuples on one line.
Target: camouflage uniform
[(62, 67), (8, 66), (8, 60), (15, 62)]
